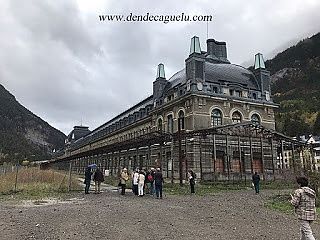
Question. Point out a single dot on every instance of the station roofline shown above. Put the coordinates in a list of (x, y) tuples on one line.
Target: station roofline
[(123, 113)]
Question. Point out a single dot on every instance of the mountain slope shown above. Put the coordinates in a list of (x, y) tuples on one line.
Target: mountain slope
[(23, 135), (295, 75)]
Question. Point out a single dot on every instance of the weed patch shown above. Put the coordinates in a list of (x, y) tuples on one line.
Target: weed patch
[(33, 183)]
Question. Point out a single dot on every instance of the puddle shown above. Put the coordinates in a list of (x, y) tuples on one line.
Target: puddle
[(48, 202)]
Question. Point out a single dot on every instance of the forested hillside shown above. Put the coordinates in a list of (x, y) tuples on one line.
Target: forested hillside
[(295, 75)]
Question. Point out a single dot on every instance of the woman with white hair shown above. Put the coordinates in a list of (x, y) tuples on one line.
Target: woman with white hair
[(123, 180)]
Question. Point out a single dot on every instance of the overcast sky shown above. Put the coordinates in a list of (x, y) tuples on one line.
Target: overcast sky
[(67, 67)]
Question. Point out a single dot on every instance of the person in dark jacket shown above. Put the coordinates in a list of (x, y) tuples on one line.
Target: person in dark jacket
[(158, 181), (192, 180), (98, 178), (256, 182), (87, 179)]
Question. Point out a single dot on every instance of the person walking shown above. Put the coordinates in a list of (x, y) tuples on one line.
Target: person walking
[(256, 182), (192, 180), (151, 180), (147, 182), (141, 180), (304, 201), (97, 178), (87, 179), (158, 180), (135, 180), (123, 180)]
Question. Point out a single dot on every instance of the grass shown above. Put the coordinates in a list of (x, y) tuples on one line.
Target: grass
[(202, 189), (280, 202), (176, 189), (112, 180), (209, 188), (277, 185), (33, 183)]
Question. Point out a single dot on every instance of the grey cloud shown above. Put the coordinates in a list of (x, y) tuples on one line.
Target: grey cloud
[(65, 65), (58, 21)]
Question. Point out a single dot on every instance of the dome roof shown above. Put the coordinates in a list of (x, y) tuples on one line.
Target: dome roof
[(217, 72), (177, 78)]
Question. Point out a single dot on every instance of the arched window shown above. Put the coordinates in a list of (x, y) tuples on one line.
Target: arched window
[(216, 117), (160, 125), (236, 117), (181, 120), (170, 123), (255, 119)]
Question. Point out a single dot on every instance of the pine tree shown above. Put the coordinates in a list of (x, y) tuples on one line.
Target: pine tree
[(316, 126)]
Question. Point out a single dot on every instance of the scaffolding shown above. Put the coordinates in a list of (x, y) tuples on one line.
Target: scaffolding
[(229, 152)]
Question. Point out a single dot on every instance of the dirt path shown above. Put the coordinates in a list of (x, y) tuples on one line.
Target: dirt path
[(229, 215)]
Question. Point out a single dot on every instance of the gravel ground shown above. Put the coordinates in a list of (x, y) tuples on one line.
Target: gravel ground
[(226, 215)]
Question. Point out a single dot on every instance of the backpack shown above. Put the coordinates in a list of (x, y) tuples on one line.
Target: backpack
[(150, 178)]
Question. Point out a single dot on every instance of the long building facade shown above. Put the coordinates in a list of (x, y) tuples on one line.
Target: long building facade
[(212, 116)]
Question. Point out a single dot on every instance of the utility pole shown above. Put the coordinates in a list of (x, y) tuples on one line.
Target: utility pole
[(172, 162), (70, 168), (16, 178), (180, 154)]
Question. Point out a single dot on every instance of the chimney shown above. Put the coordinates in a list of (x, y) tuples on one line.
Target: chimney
[(217, 50), (195, 64), (195, 45), (262, 75), (258, 61), (160, 82), (160, 71)]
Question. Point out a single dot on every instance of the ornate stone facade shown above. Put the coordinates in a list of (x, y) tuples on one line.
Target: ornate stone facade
[(209, 92)]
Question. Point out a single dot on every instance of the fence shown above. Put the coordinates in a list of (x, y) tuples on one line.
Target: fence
[(27, 179)]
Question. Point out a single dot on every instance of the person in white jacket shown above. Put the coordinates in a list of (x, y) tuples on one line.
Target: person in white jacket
[(135, 182), (141, 183)]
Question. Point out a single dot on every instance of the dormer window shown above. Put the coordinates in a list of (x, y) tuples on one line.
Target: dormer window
[(215, 89), (267, 96), (238, 93), (254, 95)]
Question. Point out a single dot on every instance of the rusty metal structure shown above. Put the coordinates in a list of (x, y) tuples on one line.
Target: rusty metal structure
[(230, 152)]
